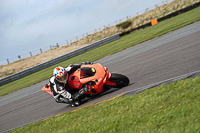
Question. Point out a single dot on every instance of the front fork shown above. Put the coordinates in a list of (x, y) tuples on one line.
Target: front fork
[(108, 82)]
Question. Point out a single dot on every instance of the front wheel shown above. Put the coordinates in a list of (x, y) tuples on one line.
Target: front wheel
[(120, 79)]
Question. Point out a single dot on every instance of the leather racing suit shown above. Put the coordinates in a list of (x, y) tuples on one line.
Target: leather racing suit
[(59, 90)]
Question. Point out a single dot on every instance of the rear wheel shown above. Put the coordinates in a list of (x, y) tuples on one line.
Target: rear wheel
[(120, 79)]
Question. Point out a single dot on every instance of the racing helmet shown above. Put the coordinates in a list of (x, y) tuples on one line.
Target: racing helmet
[(60, 74)]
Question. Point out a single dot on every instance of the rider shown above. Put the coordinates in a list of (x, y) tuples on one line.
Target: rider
[(58, 84)]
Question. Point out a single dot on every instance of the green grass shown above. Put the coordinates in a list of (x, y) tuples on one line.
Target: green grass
[(171, 108), (108, 49)]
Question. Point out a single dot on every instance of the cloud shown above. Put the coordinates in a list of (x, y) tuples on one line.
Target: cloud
[(30, 24), (31, 18)]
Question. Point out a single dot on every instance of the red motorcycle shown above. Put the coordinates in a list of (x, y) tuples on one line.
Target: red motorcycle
[(96, 77)]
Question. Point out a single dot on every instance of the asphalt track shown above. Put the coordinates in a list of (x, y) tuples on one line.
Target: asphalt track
[(159, 59)]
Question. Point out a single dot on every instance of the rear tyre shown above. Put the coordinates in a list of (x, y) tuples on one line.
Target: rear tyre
[(120, 79)]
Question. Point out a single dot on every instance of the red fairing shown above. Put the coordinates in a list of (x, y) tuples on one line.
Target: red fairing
[(95, 76)]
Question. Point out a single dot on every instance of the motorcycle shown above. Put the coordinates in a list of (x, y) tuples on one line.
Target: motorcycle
[(96, 77)]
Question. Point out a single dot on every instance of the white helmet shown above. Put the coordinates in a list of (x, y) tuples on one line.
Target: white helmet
[(60, 74)]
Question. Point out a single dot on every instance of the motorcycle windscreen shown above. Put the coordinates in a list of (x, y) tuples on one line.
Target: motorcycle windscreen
[(87, 72)]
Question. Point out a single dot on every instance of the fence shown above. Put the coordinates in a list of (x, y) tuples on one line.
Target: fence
[(54, 61), (30, 54)]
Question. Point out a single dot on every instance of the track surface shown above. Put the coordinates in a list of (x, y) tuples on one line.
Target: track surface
[(165, 57)]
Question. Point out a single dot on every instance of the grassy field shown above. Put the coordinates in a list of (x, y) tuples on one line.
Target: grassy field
[(108, 49), (171, 108)]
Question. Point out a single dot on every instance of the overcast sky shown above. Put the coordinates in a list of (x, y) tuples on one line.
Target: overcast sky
[(28, 25)]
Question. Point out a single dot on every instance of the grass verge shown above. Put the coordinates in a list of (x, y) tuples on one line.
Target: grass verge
[(170, 108), (108, 49)]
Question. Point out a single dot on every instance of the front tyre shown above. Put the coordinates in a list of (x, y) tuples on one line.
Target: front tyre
[(120, 79)]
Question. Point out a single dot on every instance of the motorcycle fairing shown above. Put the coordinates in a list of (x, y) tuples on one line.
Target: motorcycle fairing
[(98, 75)]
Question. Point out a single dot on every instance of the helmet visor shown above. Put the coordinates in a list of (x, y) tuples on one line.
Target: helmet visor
[(63, 78)]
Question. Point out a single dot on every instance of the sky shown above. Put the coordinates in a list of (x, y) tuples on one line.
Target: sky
[(28, 25)]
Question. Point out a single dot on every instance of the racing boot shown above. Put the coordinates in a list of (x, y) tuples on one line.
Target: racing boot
[(75, 103), (64, 100)]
